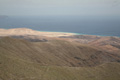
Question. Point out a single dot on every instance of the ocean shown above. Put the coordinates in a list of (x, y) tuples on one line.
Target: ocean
[(91, 25)]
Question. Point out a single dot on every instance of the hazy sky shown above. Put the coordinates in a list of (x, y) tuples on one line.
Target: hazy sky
[(59, 7)]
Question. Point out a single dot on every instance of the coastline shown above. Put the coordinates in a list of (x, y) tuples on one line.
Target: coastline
[(59, 32), (79, 33), (30, 31)]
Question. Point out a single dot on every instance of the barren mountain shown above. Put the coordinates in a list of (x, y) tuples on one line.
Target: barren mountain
[(55, 59), (111, 44), (107, 43), (32, 55)]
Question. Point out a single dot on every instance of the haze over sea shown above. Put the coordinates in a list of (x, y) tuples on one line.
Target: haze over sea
[(92, 25)]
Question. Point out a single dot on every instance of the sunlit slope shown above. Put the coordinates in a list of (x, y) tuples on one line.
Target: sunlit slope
[(55, 52), (11, 69), (55, 60)]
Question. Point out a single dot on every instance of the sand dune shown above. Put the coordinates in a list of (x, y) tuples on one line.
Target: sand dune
[(26, 31)]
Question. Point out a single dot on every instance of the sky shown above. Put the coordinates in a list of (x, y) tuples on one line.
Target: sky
[(59, 7)]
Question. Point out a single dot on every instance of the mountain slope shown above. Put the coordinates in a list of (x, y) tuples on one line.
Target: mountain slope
[(19, 69), (56, 52), (55, 60), (106, 43)]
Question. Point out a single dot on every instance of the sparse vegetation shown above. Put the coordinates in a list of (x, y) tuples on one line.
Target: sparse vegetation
[(55, 60)]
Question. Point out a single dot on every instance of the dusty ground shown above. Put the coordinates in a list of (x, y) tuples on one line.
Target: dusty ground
[(26, 31)]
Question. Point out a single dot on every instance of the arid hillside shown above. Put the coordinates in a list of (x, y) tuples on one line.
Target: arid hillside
[(106, 43), (55, 59), (26, 54)]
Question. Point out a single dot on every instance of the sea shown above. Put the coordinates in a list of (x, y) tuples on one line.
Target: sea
[(90, 25)]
